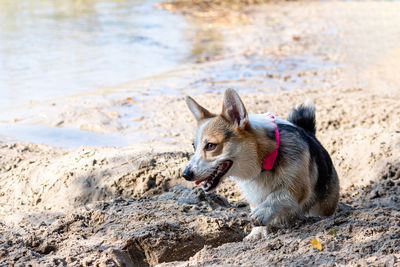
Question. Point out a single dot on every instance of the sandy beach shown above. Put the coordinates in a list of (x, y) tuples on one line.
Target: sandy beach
[(124, 203)]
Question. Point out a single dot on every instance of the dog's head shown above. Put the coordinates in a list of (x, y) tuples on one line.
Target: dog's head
[(224, 145)]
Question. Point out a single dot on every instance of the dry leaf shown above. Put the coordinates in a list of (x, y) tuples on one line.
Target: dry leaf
[(333, 231), (139, 118), (316, 244)]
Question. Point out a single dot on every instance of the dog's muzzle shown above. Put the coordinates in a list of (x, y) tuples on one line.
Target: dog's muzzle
[(188, 174)]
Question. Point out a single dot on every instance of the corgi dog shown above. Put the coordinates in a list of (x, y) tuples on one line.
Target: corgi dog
[(280, 166)]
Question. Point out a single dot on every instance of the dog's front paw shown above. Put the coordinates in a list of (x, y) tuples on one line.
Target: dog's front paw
[(262, 216), (256, 234)]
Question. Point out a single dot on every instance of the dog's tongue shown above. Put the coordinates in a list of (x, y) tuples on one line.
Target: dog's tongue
[(199, 181)]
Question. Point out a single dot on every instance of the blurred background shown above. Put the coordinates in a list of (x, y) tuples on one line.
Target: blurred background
[(80, 72), (51, 48)]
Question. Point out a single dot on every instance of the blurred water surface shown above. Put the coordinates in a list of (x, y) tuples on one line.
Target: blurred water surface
[(53, 48)]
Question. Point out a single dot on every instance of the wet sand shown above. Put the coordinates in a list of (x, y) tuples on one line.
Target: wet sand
[(108, 206)]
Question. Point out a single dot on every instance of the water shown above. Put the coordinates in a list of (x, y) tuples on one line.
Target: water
[(61, 137), (56, 49), (53, 48)]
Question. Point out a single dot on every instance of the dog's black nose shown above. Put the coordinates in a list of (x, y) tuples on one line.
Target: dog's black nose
[(188, 174)]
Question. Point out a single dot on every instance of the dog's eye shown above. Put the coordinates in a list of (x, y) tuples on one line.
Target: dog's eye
[(194, 146), (210, 146)]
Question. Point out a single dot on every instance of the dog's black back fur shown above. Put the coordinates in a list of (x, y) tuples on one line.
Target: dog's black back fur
[(319, 157), (295, 139)]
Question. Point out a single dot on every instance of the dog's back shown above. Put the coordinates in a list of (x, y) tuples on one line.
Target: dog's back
[(326, 188)]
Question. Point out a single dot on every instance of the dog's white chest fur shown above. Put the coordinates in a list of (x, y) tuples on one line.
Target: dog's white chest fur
[(255, 190)]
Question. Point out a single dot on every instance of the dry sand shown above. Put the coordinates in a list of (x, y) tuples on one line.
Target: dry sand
[(107, 206)]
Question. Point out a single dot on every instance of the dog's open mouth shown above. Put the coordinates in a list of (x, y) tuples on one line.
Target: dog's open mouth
[(213, 180)]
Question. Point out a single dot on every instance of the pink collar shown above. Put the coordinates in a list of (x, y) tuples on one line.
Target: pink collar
[(269, 160)]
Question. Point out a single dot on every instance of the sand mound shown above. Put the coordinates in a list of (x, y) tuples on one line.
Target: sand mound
[(365, 230), (136, 232), (191, 228), (52, 179)]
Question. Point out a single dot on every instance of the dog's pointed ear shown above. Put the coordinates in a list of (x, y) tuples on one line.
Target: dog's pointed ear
[(198, 111), (233, 109)]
